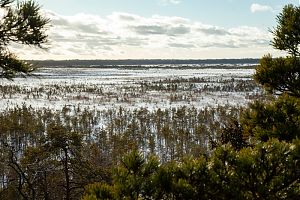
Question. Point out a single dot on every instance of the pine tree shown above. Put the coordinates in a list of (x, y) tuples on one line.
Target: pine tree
[(21, 24), (282, 75), (279, 118)]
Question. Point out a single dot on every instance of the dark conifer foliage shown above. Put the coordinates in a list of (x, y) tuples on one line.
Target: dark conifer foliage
[(267, 171), (21, 24), (282, 74), (287, 32)]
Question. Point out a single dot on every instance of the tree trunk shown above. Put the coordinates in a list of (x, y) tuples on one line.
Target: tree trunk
[(67, 176)]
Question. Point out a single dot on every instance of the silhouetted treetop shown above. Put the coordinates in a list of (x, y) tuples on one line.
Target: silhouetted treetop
[(21, 23)]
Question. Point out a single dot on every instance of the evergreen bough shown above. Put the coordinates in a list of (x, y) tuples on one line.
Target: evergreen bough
[(21, 23)]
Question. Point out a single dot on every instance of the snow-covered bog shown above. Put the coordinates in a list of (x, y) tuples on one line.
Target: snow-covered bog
[(151, 87)]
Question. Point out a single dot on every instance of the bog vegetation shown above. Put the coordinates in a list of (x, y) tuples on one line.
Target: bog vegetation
[(221, 152)]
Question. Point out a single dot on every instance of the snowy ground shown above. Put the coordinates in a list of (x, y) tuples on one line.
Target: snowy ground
[(151, 87)]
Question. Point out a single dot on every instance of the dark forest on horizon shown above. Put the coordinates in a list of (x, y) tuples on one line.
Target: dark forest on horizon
[(47, 63)]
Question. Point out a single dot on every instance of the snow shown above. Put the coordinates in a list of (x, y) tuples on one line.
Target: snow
[(103, 88)]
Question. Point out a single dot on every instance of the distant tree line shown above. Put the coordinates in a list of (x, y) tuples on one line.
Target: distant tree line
[(132, 62)]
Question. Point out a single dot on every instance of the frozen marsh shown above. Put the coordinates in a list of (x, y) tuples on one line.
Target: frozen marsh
[(146, 86)]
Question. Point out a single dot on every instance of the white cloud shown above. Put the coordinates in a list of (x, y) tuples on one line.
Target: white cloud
[(261, 8), (125, 35), (167, 2)]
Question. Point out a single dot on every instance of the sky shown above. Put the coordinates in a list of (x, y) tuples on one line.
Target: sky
[(157, 29)]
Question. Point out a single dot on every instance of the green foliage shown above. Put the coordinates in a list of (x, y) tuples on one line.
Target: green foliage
[(279, 75), (278, 119), (267, 171), (191, 179), (133, 179), (99, 191), (234, 134), (11, 65), (287, 32), (25, 25), (60, 138), (282, 74)]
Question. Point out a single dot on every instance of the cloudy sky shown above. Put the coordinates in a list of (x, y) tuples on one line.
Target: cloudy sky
[(166, 29)]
